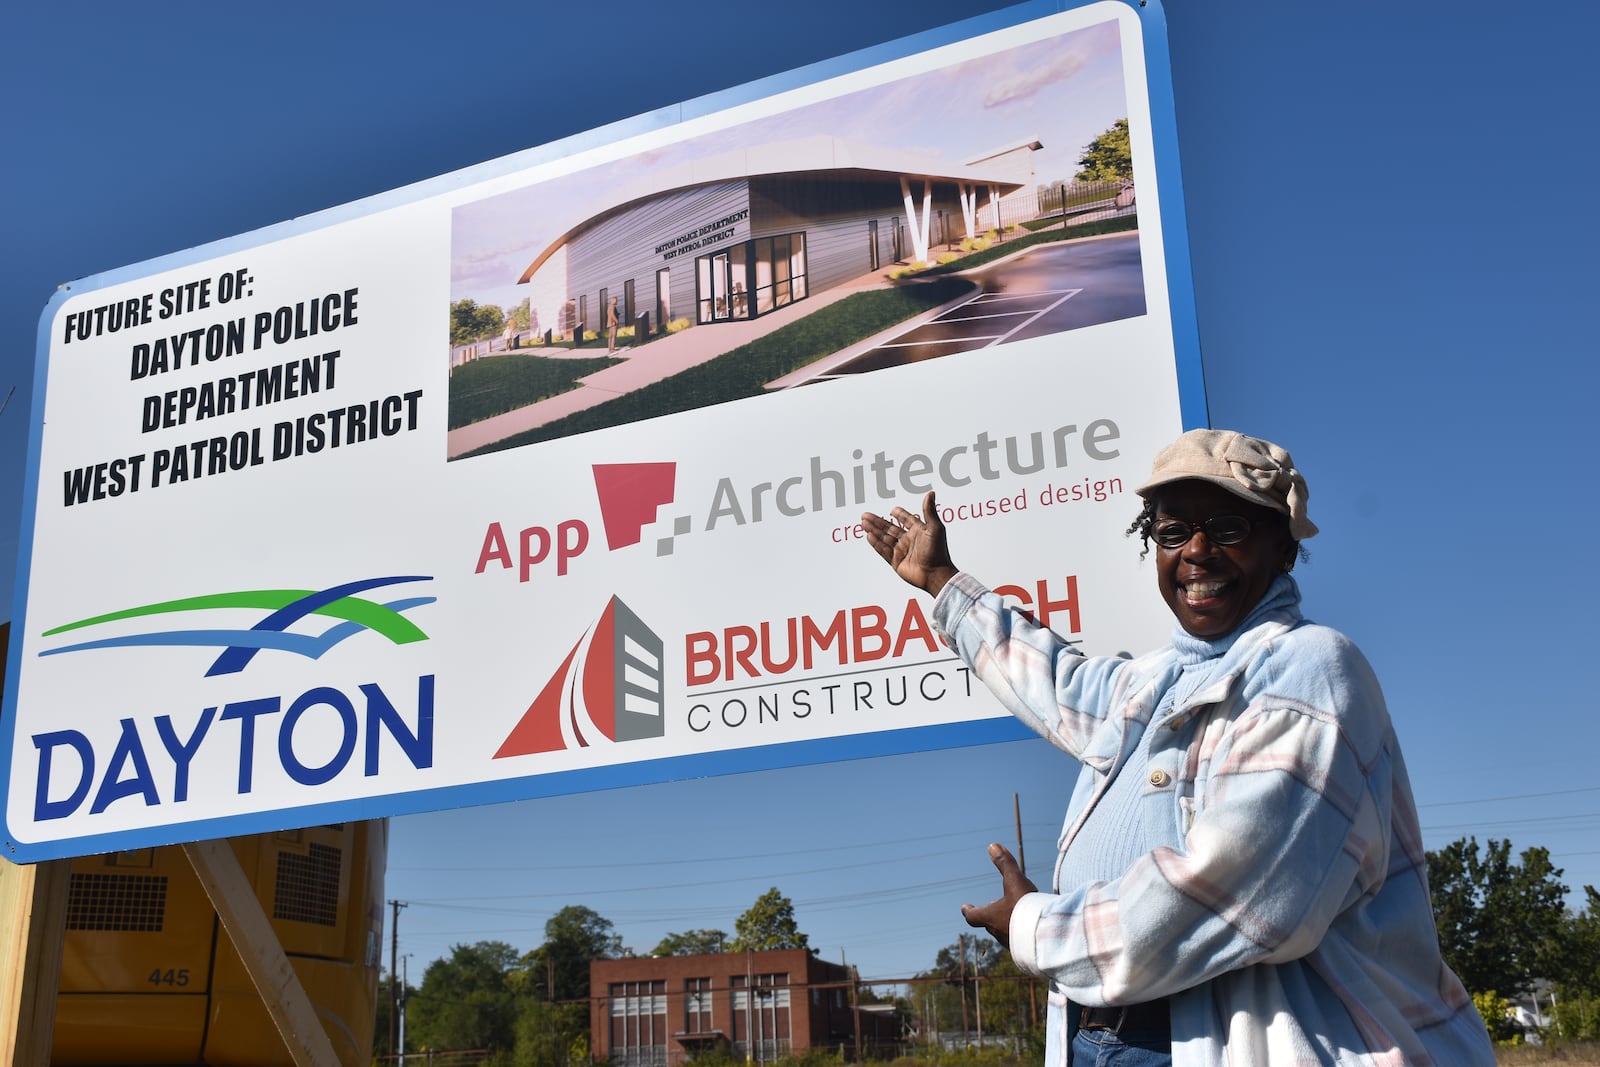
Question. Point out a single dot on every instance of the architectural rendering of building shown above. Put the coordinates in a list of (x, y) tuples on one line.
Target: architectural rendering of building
[(738, 235)]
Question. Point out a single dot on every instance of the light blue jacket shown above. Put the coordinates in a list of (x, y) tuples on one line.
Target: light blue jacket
[(1282, 900)]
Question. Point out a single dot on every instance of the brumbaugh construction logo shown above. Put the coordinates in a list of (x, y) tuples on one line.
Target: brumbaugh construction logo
[(349, 613), (607, 690)]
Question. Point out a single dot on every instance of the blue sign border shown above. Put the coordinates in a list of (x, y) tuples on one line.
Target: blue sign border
[(1192, 402)]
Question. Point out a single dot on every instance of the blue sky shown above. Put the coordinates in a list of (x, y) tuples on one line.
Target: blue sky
[(1391, 235)]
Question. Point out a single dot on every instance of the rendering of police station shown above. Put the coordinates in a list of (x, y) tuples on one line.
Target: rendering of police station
[(740, 235)]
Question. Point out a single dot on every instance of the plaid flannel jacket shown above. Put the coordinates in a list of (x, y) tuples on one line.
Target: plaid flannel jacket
[(1282, 900)]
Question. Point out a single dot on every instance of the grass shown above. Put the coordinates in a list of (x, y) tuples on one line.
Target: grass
[(484, 388), (1059, 217), (1016, 244), (746, 370), (1565, 1053)]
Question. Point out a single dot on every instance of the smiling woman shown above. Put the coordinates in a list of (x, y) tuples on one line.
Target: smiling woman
[(1241, 877), (1227, 514)]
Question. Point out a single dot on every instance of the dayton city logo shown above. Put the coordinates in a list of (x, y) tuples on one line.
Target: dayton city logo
[(607, 690), (350, 613), (373, 726)]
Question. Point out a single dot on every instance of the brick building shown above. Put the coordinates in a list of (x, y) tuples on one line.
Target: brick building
[(661, 1011)]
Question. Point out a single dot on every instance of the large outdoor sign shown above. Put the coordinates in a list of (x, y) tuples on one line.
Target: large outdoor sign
[(545, 476)]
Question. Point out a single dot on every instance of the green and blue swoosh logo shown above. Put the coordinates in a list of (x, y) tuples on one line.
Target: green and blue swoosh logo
[(350, 614)]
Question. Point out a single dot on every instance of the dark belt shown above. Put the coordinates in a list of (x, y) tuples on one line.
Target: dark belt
[(1151, 1017)]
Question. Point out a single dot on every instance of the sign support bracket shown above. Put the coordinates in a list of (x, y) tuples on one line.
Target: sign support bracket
[(257, 943), (33, 916)]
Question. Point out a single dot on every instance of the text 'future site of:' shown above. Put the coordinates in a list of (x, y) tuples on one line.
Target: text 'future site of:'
[(909, 213)]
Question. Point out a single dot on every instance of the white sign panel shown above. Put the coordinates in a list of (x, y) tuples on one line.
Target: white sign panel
[(545, 476)]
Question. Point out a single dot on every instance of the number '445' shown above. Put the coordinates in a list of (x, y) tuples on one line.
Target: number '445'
[(170, 976)]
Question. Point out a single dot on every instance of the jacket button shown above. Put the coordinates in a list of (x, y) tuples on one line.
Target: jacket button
[(1158, 778)]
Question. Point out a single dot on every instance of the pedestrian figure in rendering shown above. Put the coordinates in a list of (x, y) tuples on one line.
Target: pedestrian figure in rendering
[(612, 322), (1242, 878)]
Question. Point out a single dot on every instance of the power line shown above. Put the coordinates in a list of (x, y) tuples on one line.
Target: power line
[(1514, 796), (1511, 822), (743, 858)]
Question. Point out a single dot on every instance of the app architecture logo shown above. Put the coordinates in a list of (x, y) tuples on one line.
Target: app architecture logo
[(607, 690), (352, 615)]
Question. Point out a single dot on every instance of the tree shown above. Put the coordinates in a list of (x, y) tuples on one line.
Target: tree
[(380, 1027), (553, 1013), (769, 924), (691, 943), (1577, 977), (559, 968), (1499, 922), (1008, 998), (552, 1035), (1109, 157), (957, 966), (1579, 965), (465, 1001), (469, 321)]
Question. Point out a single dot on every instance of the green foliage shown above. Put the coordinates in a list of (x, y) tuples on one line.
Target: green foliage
[(691, 943), (484, 388), (815, 1057), (769, 924), (1012, 1003), (380, 1026), (559, 968), (470, 321), (465, 1001), (973, 1056), (1577, 968), (1576, 1017), (746, 370), (551, 1035), (1495, 1011), (1034, 225), (1108, 157), (532, 1010), (915, 266), (1500, 922)]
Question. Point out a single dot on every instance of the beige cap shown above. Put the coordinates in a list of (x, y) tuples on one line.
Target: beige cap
[(1252, 469)]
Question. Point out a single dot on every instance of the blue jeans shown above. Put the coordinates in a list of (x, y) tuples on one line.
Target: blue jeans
[(1103, 1048)]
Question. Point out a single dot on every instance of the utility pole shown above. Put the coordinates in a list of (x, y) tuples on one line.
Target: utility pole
[(965, 1028), (977, 988), (394, 992), (405, 991), (1016, 810), (1022, 862), (855, 1004)]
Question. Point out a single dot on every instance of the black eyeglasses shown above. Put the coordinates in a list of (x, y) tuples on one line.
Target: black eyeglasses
[(1219, 530)]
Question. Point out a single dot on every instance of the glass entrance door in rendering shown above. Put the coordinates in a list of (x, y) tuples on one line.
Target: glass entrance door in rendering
[(751, 278)]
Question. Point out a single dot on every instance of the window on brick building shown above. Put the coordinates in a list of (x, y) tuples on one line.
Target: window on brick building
[(638, 1024), (761, 1017), (697, 1001)]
